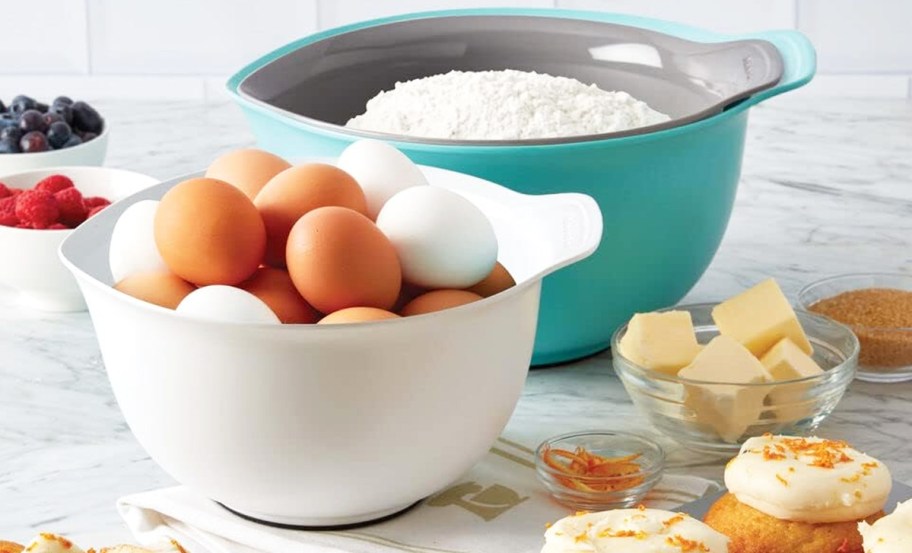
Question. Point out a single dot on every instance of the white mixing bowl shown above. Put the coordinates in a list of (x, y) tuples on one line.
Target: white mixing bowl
[(325, 425)]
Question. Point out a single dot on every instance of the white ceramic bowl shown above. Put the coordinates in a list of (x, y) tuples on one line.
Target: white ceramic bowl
[(335, 424), (91, 153), (31, 265)]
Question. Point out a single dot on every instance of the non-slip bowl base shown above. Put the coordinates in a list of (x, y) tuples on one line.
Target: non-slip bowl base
[(330, 523)]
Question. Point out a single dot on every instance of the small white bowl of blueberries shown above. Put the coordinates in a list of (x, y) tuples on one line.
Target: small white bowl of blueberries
[(35, 135)]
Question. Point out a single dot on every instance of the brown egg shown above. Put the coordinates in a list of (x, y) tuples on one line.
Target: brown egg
[(248, 169), (298, 190), (438, 300), (209, 232), (276, 289), (357, 315), (408, 292), (496, 282), (338, 258), (158, 287)]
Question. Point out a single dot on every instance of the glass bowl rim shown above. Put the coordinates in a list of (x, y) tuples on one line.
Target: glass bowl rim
[(848, 276), (649, 471), (629, 366)]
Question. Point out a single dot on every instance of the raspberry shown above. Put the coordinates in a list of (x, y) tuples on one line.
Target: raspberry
[(5, 192), (72, 210), (37, 208), (8, 212), (95, 210), (95, 201), (58, 226), (16, 191), (54, 184)]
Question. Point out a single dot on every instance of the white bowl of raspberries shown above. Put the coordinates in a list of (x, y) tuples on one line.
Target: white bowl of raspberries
[(38, 209), (34, 135)]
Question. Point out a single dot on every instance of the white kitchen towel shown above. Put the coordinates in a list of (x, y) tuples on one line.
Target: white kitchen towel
[(497, 507)]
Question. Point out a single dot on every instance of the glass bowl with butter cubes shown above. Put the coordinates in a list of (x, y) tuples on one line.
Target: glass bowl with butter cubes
[(710, 376)]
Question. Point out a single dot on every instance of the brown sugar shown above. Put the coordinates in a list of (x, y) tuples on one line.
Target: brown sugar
[(882, 320)]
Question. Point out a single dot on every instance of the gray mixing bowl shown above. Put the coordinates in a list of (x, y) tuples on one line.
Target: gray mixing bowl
[(665, 191)]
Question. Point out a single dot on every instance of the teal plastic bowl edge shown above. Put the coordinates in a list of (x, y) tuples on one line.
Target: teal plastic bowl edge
[(798, 56)]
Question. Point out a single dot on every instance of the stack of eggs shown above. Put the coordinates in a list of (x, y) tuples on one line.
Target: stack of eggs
[(258, 240)]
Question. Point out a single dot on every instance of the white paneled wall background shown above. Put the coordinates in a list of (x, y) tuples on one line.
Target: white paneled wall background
[(184, 49)]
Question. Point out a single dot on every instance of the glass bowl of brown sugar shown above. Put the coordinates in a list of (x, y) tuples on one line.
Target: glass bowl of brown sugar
[(878, 309)]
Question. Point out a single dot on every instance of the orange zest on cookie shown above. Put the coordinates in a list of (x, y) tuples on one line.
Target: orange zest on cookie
[(685, 545), (672, 521), (585, 471), (824, 454), (638, 534)]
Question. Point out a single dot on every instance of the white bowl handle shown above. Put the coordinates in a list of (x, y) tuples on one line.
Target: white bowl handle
[(570, 223), (563, 228)]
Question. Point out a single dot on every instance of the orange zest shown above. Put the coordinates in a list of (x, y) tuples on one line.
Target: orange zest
[(686, 545), (673, 520), (823, 454), (583, 470)]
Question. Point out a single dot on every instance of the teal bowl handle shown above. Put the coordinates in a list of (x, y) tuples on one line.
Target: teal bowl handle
[(798, 58)]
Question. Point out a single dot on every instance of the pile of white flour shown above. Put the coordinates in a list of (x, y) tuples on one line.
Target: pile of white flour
[(501, 105)]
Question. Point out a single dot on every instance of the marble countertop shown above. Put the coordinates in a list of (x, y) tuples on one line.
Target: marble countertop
[(826, 188)]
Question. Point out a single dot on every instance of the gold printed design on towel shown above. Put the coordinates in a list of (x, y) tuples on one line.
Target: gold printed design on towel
[(514, 458), (486, 502)]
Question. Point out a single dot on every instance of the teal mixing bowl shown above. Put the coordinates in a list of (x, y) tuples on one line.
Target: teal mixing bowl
[(665, 192)]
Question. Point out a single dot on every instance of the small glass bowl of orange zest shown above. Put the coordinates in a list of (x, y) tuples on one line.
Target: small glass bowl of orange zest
[(597, 470)]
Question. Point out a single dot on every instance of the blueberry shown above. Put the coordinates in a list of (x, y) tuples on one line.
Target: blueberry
[(2, 107), (62, 100), (50, 118), (63, 110), (12, 134), (21, 104), (32, 120), (7, 121), (41, 107), (86, 118), (58, 134), (73, 141), (33, 142), (9, 146), (86, 136)]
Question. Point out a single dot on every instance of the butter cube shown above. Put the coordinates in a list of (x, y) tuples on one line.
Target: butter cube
[(728, 408), (786, 361), (760, 317), (663, 341)]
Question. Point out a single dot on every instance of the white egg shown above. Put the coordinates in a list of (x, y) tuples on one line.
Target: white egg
[(227, 304), (133, 247), (442, 239), (381, 170)]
